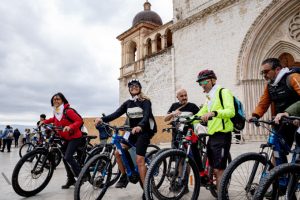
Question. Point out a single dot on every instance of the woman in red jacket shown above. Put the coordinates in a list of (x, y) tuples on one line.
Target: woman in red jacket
[(71, 122)]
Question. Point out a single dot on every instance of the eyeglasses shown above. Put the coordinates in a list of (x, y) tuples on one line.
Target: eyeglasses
[(265, 71), (134, 85), (203, 82)]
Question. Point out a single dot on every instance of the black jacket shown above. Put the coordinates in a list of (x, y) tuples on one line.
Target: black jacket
[(139, 113)]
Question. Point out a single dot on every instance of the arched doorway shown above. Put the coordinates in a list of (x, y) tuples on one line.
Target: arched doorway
[(261, 42)]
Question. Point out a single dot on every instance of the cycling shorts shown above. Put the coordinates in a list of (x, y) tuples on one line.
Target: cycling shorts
[(218, 147)]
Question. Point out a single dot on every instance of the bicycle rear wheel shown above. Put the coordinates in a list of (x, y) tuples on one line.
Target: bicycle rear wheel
[(25, 148), (236, 183), (94, 179), (167, 182), (32, 173), (283, 182)]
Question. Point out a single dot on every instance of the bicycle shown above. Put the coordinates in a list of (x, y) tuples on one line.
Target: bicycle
[(283, 181), (35, 169), (182, 173), (95, 177), (32, 144), (242, 176)]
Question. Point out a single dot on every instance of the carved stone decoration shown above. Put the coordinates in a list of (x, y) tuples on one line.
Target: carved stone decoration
[(294, 27)]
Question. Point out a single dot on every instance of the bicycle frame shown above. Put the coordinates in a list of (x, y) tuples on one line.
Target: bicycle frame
[(117, 140)]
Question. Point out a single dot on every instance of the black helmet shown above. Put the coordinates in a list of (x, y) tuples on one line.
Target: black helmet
[(206, 74), (133, 82)]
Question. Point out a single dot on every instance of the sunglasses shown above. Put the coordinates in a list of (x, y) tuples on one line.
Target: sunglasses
[(263, 72), (203, 82), (134, 85)]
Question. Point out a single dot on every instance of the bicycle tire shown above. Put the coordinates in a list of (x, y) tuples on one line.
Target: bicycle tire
[(27, 147), (101, 162), (153, 146), (57, 157), (223, 193), (272, 177), (29, 158), (148, 188)]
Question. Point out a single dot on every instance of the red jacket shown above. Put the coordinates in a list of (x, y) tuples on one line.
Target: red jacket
[(75, 126)]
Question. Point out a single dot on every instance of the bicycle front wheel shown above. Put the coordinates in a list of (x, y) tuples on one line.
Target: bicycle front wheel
[(25, 148), (283, 182), (180, 174), (32, 173), (94, 179), (242, 176)]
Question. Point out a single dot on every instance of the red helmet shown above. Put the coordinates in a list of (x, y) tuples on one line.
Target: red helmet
[(206, 74)]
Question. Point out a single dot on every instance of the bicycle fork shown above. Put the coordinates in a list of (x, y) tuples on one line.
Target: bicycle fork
[(268, 155)]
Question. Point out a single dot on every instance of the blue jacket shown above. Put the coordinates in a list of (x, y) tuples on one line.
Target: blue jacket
[(5, 133)]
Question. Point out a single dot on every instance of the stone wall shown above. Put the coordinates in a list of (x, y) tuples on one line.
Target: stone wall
[(159, 137), (156, 81), (213, 42), (184, 9)]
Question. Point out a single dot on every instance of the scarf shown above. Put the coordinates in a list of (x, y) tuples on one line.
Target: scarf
[(282, 72), (58, 111), (134, 98), (211, 96)]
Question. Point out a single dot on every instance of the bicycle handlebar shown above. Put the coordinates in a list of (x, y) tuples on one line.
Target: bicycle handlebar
[(123, 128)]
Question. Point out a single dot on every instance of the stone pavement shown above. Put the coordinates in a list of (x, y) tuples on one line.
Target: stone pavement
[(54, 192)]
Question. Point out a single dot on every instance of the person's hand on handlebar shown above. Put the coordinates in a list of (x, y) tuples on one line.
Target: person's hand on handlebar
[(40, 123), (66, 129), (98, 121), (136, 129), (207, 116), (279, 116)]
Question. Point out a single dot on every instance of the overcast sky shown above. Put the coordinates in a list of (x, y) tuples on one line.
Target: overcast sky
[(47, 46)]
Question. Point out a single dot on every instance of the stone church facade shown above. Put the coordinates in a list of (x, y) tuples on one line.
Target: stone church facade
[(232, 37)]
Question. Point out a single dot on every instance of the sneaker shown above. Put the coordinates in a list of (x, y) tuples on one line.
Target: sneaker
[(69, 183), (123, 181), (176, 187)]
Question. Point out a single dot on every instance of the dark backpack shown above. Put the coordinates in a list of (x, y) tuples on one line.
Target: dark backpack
[(69, 119), (239, 118)]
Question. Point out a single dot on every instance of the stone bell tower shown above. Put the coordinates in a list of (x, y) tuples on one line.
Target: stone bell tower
[(133, 47)]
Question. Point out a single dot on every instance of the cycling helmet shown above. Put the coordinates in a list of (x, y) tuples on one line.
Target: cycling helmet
[(134, 81), (206, 74)]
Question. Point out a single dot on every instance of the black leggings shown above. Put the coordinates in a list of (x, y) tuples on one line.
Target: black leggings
[(71, 165)]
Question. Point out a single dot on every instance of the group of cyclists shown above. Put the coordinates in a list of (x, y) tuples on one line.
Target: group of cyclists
[(282, 93)]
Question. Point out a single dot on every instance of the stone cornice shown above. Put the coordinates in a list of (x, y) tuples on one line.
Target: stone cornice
[(164, 26), (204, 13), (148, 25)]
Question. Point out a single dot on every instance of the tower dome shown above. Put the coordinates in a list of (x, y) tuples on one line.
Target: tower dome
[(147, 16)]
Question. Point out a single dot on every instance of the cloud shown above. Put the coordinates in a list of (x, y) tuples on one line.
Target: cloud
[(68, 46)]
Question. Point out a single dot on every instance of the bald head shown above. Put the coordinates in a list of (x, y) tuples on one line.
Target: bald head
[(182, 97)]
